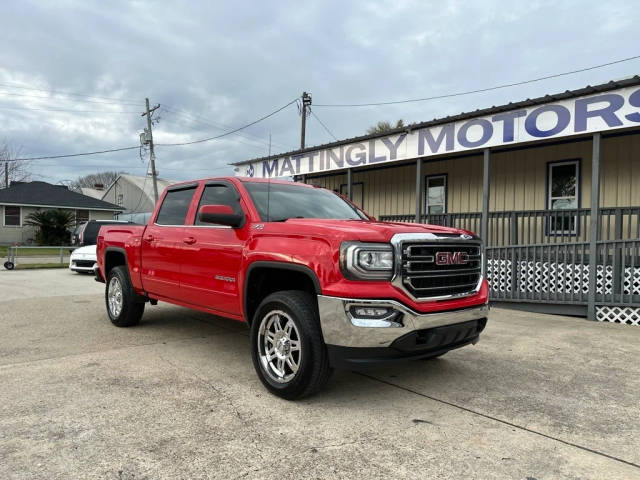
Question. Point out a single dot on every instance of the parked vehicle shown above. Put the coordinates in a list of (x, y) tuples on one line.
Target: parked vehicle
[(83, 259), (87, 233), (320, 283)]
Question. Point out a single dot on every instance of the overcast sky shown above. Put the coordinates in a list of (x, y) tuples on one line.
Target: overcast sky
[(217, 65)]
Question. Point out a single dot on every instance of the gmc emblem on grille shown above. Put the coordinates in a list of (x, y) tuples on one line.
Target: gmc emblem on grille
[(452, 258)]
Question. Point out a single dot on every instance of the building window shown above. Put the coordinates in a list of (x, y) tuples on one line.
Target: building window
[(435, 193), (563, 194), (120, 201), (82, 216), (12, 217)]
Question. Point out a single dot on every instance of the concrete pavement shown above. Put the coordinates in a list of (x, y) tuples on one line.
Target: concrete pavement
[(539, 397)]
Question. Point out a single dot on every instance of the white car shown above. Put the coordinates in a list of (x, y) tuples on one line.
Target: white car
[(83, 259)]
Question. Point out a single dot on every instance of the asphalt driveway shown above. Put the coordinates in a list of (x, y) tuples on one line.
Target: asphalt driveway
[(540, 397)]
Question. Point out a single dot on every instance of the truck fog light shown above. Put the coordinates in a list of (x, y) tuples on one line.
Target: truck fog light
[(377, 317)]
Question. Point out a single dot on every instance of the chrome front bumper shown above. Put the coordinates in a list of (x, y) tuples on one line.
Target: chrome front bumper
[(341, 327)]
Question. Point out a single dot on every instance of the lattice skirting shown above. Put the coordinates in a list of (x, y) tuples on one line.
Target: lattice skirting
[(549, 277), (626, 315), (546, 277)]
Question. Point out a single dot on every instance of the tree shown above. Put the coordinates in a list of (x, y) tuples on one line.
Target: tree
[(384, 126), (89, 181), (54, 226), (18, 169)]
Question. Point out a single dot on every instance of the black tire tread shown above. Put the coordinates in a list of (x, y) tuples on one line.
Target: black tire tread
[(304, 306), (132, 309)]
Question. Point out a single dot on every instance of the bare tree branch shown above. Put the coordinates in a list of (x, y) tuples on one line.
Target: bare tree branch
[(19, 171), (90, 181)]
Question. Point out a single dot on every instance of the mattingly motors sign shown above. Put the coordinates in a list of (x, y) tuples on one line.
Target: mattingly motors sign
[(594, 113)]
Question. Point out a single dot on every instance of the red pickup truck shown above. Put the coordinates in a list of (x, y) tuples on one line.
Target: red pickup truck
[(319, 282)]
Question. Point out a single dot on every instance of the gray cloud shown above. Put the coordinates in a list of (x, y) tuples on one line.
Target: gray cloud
[(218, 65)]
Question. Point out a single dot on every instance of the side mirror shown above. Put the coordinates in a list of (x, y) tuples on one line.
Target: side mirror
[(221, 215)]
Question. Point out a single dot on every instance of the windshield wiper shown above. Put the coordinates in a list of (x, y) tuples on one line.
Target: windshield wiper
[(286, 218)]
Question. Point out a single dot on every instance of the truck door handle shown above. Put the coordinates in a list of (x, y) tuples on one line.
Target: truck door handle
[(149, 238), (189, 240)]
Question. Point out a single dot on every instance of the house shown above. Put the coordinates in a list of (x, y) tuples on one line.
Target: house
[(96, 192), (22, 198), (134, 194), (550, 184)]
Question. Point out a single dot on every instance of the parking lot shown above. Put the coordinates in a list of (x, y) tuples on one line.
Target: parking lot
[(539, 397)]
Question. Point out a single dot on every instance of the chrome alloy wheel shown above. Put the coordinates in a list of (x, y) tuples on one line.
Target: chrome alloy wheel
[(115, 297), (279, 346)]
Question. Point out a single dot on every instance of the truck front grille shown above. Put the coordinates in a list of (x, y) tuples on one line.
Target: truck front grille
[(440, 269)]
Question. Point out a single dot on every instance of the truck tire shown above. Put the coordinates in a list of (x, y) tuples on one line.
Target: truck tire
[(288, 351), (120, 298)]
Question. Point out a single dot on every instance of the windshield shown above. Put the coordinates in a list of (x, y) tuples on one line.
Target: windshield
[(277, 202)]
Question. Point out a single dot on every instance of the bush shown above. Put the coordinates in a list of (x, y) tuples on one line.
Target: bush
[(53, 226)]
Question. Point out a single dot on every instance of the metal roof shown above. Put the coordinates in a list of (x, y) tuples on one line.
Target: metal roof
[(43, 194), (604, 87)]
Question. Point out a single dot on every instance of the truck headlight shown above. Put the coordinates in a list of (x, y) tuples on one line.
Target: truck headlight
[(366, 261)]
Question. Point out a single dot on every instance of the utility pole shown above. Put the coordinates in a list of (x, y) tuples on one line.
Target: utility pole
[(149, 140), (6, 174), (306, 102)]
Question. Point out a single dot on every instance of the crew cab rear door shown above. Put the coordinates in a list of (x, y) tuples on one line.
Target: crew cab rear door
[(161, 240), (211, 254)]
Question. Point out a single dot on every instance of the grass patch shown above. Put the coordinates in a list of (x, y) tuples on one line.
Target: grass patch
[(33, 252), (34, 266)]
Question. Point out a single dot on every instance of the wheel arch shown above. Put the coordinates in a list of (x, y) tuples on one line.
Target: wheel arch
[(266, 277), (113, 257)]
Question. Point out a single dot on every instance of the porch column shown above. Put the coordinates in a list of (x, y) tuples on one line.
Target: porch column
[(594, 232), (484, 222), (419, 187), (349, 184)]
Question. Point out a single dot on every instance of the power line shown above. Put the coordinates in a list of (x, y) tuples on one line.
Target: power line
[(229, 132), (112, 150), (322, 123), (480, 90), (57, 92), (204, 121), (75, 154), (49, 97), (249, 140), (63, 110)]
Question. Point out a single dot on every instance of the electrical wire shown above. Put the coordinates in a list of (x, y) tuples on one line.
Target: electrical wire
[(480, 90), (158, 144), (323, 125), (245, 140), (63, 110), (48, 97), (98, 152), (202, 140), (57, 92), (204, 121)]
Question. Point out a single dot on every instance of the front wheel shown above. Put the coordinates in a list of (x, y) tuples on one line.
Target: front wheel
[(287, 348), (122, 307)]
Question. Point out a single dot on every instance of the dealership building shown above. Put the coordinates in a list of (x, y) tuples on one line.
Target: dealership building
[(548, 183)]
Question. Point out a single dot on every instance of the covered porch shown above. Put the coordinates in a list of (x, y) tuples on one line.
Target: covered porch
[(557, 259)]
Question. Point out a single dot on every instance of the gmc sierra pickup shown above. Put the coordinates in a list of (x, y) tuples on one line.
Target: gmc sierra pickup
[(319, 282)]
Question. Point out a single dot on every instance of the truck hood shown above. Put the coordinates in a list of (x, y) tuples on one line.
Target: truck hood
[(365, 231)]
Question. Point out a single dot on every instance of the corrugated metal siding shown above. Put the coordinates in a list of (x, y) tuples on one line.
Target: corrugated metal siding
[(518, 179)]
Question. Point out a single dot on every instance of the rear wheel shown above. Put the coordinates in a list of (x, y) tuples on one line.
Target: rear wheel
[(120, 298), (288, 351)]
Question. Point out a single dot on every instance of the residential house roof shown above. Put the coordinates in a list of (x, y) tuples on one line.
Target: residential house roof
[(43, 194)]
